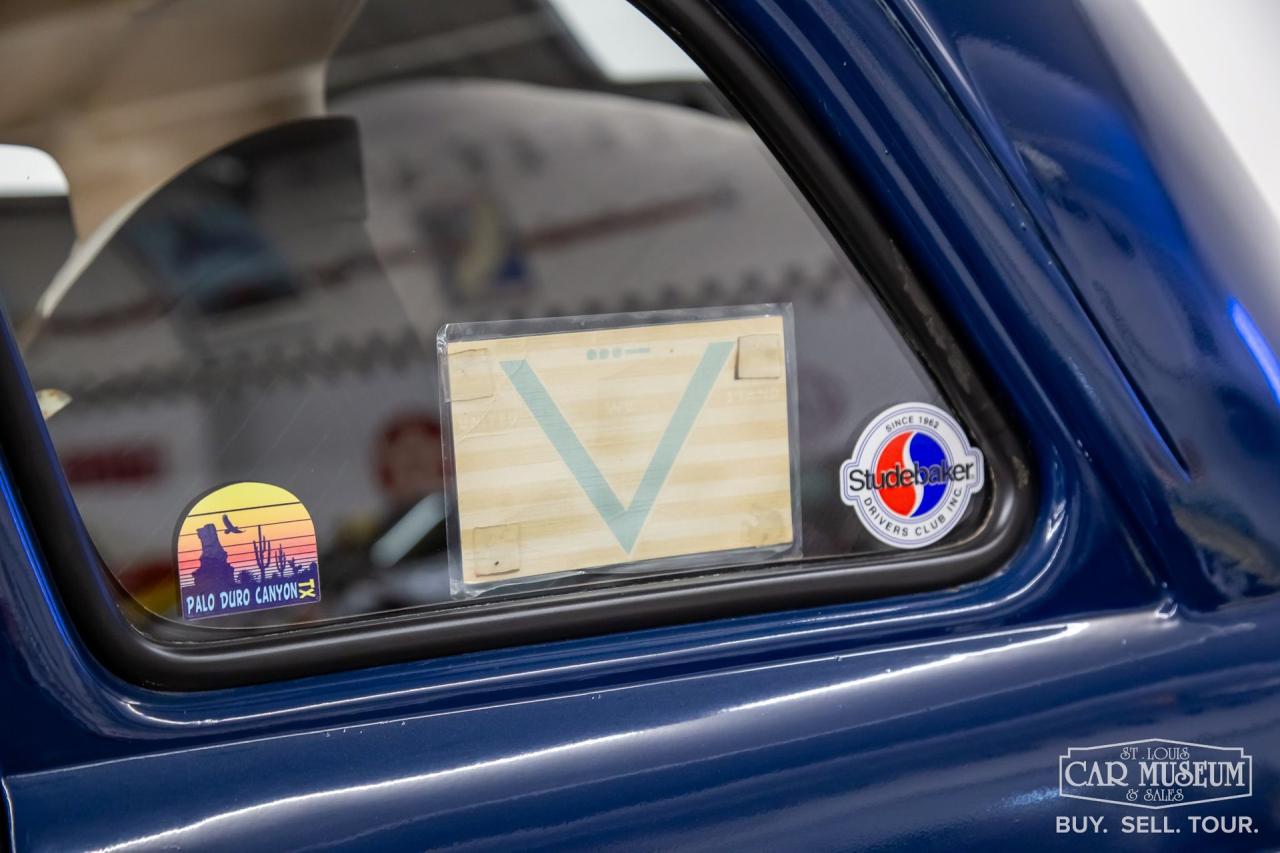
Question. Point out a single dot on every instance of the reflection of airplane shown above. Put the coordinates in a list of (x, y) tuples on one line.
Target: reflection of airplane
[(228, 527)]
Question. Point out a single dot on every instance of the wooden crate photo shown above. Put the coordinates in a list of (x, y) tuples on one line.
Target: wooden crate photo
[(588, 449)]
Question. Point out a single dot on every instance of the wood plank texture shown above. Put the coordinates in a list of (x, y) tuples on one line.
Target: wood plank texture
[(598, 448)]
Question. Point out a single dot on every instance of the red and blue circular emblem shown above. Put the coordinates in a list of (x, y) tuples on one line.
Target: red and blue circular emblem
[(911, 475)]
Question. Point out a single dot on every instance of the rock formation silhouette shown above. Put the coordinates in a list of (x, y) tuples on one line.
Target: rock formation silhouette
[(215, 572)]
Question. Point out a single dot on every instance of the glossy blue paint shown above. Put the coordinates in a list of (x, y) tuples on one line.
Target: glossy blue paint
[(1117, 188), (929, 721)]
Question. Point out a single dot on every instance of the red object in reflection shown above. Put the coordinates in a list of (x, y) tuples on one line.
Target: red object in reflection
[(407, 458), (131, 464)]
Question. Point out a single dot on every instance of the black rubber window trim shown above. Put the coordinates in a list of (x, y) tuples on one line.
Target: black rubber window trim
[(169, 657)]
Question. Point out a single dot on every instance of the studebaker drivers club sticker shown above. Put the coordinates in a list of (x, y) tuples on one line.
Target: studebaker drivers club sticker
[(243, 547), (911, 475)]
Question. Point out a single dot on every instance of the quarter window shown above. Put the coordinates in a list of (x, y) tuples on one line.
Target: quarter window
[(311, 252)]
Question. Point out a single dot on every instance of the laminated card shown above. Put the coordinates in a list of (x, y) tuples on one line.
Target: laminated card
[(630, 441)]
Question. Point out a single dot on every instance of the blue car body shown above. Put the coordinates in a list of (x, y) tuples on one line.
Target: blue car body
[(1017, 172)]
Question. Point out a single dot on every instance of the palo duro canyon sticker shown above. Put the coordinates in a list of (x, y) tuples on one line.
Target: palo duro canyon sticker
[(245, 547)]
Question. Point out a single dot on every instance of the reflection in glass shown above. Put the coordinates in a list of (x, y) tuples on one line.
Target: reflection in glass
[(254, 295)]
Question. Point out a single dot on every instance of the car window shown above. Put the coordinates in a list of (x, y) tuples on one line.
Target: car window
[(243, 320)]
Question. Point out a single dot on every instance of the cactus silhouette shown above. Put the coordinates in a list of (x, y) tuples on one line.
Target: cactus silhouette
[(262, 554), (280, 561)]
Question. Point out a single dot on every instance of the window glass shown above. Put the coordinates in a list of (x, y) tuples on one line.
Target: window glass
[(273, 210)]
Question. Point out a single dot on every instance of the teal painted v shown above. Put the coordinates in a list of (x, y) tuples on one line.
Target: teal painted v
[(625, 522)]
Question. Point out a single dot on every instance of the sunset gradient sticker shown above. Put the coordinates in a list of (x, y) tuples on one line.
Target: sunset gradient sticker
[(243, 547)]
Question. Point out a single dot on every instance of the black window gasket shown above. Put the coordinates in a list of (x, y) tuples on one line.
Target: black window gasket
[(168, 655)]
